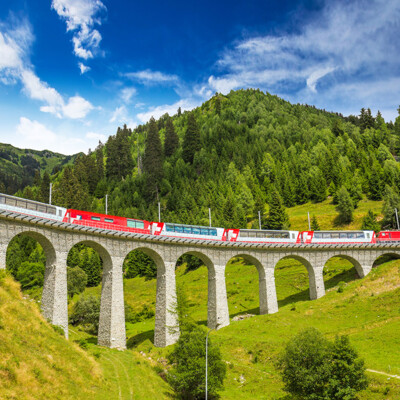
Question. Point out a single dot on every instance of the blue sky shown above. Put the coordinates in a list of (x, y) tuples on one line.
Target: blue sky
[(72, 71)]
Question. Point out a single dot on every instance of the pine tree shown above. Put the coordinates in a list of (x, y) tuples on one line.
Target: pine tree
[(171, 142), (277, 217), (345, 206), (314, 224), (391, 203), (153, 160), (191, 140), (100, 161), (45, 188), (370, 223)]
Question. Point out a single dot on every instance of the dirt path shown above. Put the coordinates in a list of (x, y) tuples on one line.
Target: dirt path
[(383, 373), (116, 374), (126, 374)]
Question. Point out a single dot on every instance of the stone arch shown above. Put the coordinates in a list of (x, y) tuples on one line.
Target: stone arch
[(54, 303), (266, 284), (315, 278), (217, 302), (353, 261), (384, 256), (47, 245), (166, 330)]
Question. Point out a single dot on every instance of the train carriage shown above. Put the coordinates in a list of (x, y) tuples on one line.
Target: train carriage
[(104, 221), (388, 236), (188, 231), (261, 236), (339, 237), (31, 207)]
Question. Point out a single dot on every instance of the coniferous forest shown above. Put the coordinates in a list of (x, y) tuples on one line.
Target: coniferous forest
[(237, 154)]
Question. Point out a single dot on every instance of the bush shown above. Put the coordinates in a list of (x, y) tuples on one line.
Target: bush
[(76, 280), (187, 377), (30, 274), (86, 312), (315, 369)]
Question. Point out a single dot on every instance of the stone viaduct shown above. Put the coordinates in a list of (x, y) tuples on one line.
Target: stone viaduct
[(58, 238)]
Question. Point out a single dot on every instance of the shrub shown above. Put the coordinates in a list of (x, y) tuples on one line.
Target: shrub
[(30, 274), (76, 280), (315, 369), (187, 377), (86, 312)]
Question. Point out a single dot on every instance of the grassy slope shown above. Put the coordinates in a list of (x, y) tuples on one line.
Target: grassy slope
[(38, 363)]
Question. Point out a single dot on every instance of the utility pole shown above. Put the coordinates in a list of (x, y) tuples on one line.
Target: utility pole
[(106, 203), (397, 219), (209, 215), (259, 219), (51, 187), (159, 212), (309, 224)]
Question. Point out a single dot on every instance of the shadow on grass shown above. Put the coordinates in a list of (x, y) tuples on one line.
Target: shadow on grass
[(345, 276), (255, 311), (304, 295), (136, 340)]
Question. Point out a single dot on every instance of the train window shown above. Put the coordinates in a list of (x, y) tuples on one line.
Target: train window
[(343, 235), (31, 206), (169, 228), (367, 235), (95, 218), (326, 235), (360, 235), (187, 229), (317, 235), (10, 202), (213, 232), (109, 220), (252, 234), (178, 229), (21, 203), (51, 210), (2, 199), (140, 224), (260, 234), (41, 208), (243, 234), (196, 231), (204, 231), (79, 217), (352, 235), (335, 235)]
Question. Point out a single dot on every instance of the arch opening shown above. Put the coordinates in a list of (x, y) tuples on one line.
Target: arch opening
[(242, 275), (340, 270), (27, 256), (384, 258), (141, 266), (292, 280), (192, 273), (86, 263)]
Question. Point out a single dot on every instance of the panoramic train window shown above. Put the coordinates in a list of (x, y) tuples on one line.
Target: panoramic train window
[(195, 231)]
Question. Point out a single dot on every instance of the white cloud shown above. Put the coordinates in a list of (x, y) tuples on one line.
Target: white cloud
[(15, 67), (127, 94), (171, 109), (348, 41), (77, 107), (313, 79), (222, 85), (34, 135), (83, 68), (148, 77), (118, 114), (80, 17), (96, 136)]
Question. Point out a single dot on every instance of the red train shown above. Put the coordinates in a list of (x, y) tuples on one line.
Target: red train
[(103, 221)]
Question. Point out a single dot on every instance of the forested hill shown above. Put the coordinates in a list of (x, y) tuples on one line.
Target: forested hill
[(234, 154), (18, 167)]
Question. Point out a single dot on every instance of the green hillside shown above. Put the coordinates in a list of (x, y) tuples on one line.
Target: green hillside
[(36, 362), (18, 166), (368, 310)]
